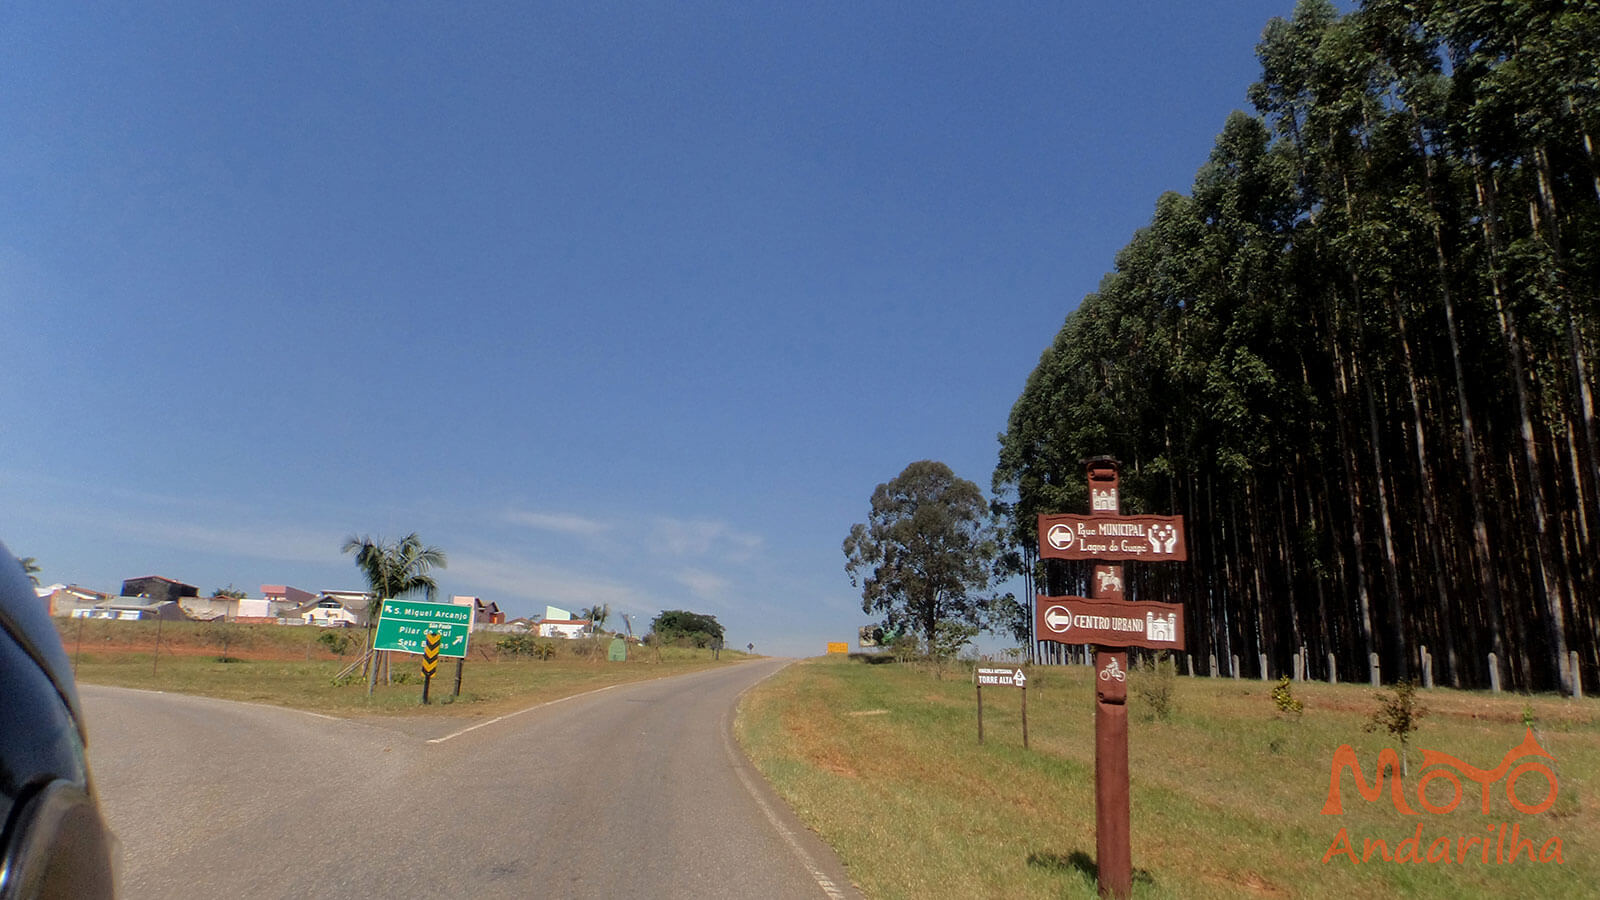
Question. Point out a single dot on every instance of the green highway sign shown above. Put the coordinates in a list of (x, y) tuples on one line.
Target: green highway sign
[(404, 624)]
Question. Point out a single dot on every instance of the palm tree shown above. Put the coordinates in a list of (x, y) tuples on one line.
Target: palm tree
[(394, 569), (597, 614), (31, 567)]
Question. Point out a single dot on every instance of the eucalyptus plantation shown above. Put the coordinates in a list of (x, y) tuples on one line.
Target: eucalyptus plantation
[(1359, 356)]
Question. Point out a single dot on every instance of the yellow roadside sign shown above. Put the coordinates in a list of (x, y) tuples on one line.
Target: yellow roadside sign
[(838, 646)]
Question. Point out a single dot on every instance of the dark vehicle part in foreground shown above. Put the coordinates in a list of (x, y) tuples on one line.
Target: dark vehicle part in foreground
[(54, 842)]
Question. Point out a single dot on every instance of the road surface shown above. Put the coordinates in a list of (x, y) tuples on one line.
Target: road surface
[(634, 790)]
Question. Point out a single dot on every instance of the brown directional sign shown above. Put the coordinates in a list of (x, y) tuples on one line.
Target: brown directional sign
[(1109, 623), (1110, 537)]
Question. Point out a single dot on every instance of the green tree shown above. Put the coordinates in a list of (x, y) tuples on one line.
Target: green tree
[(596, 614), (394, 569), (926, 553), (676, 625), (230, 592)]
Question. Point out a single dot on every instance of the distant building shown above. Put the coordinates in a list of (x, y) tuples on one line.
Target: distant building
[(283, 594), (334, 609), (158, 588), (570, 629), (65, 600), (130, 609), (210, 609), (483, 614)]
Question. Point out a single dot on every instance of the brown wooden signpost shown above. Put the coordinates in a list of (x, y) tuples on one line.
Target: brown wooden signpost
[(1111, 623)]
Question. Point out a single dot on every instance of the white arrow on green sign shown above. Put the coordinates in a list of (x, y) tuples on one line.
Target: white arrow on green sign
[(404, 625)]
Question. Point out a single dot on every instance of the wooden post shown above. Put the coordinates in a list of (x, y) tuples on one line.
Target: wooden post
[(1188, 664), (1427, 667), (1213, 665), (1024, 717), (1577, 678), (1236, 667), (1372, 664), (155, 660), (1494, 673), (460, 660), (1263, 666), (1112, 804), (1333, 668), (1305, 665), (1294, 667), (980, 713)]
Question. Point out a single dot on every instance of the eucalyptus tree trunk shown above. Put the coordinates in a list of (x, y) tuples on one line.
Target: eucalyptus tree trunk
[(1533, 471)]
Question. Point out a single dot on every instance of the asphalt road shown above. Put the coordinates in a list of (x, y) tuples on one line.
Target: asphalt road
[(635, 790)]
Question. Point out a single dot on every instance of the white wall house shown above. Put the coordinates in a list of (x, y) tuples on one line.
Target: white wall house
[(570, 629)]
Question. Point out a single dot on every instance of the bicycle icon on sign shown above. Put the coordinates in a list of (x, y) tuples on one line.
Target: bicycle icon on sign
[(1112, 670)]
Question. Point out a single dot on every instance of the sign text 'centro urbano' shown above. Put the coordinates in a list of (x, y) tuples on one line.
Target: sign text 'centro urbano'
[(404, 625), (1109, 623), (1142, 538)]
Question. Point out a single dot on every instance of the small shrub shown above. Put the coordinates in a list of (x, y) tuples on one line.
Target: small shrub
[(336, 640), (906, 648), (1283, 697), (515, 644), (1155, 684), (543, 650), (1398, 713)]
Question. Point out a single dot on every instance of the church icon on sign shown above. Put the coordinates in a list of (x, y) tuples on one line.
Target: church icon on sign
[(1161, 628)]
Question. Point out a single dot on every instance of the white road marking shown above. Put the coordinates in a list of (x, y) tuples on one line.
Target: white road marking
[(519, 712), (740, 767)]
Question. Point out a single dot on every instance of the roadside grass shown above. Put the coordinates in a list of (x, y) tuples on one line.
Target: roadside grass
[(882, 761), (290, 666)]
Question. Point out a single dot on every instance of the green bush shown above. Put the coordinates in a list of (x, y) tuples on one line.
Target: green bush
[(516, 644), (336, 640), (1155, 684), (1283, 697)]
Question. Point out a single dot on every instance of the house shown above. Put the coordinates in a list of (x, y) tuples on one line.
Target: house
[(570, 629), (333, 612), (209, 609), (483, 614), (131, 610), (288, 597), (351, 599), (158, 588), (66, 599)]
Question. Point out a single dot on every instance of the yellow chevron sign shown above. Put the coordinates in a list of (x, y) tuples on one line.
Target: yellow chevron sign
[(430, 652)]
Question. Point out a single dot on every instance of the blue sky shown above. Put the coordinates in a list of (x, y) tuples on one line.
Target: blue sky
[(627, 303)]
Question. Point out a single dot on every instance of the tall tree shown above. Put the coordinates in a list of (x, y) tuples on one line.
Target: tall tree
[(597, 614), (926, 553), (395, 569), (1360, 357)]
